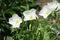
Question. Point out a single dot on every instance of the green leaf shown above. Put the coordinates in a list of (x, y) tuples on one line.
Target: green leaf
[(9, 38), (46, 36)]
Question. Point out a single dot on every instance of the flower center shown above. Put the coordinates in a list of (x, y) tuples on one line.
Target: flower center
[(17, 21), (31, 17), (47, 12)]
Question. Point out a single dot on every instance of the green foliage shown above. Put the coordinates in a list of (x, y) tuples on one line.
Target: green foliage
[(39, 29)]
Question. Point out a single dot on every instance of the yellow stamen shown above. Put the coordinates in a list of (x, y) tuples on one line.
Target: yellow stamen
[(31, 17), (17, 21), (47, 12)]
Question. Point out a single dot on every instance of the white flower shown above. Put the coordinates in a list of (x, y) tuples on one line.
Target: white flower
[(15, 21), (45, 12), (53, 5), (47, 9), (58, 8), (30, 15)]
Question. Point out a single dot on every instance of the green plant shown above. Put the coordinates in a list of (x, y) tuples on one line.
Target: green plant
[(39, 29)]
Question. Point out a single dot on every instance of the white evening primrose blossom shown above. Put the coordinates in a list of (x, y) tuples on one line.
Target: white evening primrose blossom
[(53, 5), (15, 21), (45, 11), (30, 15), (58, 8)]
